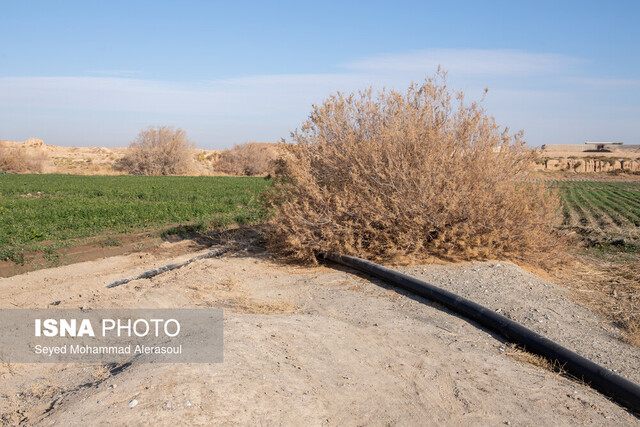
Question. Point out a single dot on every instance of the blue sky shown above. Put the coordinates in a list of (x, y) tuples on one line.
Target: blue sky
[(95, 73)]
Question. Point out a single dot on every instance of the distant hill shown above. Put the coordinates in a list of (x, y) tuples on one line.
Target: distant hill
[(251, 158)]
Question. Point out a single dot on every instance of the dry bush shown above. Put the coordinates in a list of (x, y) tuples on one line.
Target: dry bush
[(15, 160), (159, 151), (248, 159), (408, 175)]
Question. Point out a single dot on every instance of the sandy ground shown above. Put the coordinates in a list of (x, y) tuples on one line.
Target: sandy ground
[(317, 346)]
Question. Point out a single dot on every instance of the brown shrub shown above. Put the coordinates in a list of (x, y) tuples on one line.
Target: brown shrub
[(248, 159), (159, 151), (408, 176), (15, 160)]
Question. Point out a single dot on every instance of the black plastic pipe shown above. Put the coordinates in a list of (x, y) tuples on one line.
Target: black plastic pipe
[(618, 388)]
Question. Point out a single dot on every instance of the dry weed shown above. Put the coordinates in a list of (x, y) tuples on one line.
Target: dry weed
[(229, 284), (43, 389), (17, 161), (159, 151), (249, 159), (632, 330), (101, 373), (621, 282), (611, 288), (250, 306), (409, 175), (524, 356)]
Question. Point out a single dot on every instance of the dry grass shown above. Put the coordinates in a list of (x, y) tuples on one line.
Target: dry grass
[(229, 284), (524, 356), (42, 389), (233, 295), (610, 287), (632, 329), (617, 286), (14, 160), (159, 151), (246, 305), (101, 373), (409, 175)]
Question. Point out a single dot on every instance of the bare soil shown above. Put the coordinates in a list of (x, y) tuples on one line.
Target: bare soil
[(103, 246), (317, 346)]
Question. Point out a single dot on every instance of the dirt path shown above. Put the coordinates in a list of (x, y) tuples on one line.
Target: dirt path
[(317, 346)]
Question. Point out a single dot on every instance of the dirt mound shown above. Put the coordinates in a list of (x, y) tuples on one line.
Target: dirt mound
[(317, 346), (71, 160)]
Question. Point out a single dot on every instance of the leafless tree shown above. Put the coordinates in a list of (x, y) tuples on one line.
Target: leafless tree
[(159, 151)]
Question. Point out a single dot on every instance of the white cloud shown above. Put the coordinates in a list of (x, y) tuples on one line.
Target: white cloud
[(467, 62), (262, 94), (523, 89), (250, 95)]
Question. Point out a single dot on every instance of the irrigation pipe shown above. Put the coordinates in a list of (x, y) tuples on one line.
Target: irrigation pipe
[(618, 388), (151, 273)]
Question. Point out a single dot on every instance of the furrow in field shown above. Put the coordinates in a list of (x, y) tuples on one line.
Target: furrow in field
[(625, 208), (610, 209), (599, 219), (627, 196), (584, 220), (570, 213), (571, 218)]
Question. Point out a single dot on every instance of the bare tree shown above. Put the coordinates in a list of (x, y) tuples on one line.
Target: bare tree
[(159, 151)]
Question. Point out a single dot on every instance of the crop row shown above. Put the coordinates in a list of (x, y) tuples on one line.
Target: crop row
[(605, 207)]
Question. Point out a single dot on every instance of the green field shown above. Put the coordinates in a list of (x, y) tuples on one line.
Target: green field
[(601, 210), (43, 211)]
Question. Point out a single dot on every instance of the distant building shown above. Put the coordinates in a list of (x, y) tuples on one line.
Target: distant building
[(588, 146), (601, 146)]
